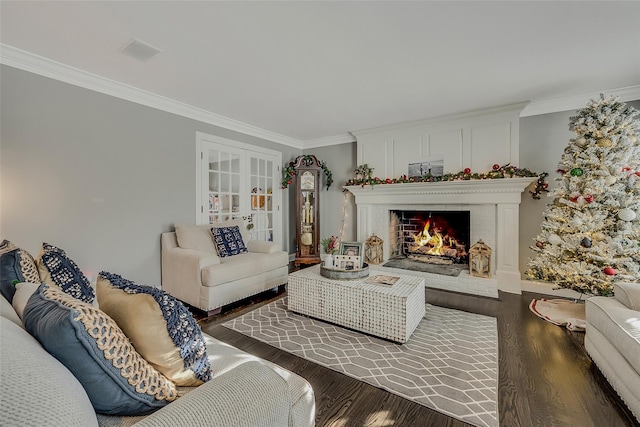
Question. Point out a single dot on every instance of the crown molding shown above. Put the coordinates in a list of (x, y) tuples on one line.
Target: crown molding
[(629, 93), (36, 64), (328, 141)]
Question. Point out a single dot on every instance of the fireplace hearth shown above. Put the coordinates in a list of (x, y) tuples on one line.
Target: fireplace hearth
[(435, 237), (429, 241)]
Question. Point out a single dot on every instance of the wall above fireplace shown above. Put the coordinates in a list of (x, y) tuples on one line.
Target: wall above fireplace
[(494, 217)]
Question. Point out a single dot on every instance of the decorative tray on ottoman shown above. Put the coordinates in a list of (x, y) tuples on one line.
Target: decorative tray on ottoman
[(340, 274)]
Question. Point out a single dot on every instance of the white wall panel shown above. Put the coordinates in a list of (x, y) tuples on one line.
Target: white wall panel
[(408, 147), (476, 139), (490, 144), (448, 144)]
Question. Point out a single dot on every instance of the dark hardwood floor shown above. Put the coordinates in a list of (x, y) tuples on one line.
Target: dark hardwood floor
[(545, 375)]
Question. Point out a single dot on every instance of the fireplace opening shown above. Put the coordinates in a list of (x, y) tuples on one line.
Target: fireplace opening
[(429, 241)]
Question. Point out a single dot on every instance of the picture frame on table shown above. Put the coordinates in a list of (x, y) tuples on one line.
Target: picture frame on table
[(353, 249), (347, 262)]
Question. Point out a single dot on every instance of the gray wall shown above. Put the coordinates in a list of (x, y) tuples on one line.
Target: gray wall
[(97, 176), (102, 178), (543, 138), (341, 161)]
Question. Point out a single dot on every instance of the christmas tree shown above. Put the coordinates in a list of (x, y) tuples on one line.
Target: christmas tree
[(590, 236)]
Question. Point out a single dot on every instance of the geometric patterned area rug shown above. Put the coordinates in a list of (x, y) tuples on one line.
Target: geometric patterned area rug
[(450, 363)]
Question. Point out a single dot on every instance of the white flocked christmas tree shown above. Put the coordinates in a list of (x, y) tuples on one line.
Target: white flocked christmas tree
[(590, 235)]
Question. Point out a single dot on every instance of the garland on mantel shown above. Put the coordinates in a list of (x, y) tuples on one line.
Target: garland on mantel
[(364, 177)]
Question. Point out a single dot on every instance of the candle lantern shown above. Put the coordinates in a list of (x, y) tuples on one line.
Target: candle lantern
[(480, 260), (373, 250)]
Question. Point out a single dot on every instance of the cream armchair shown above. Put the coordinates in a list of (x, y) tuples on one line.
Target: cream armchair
[(193, 272), (612, 340)]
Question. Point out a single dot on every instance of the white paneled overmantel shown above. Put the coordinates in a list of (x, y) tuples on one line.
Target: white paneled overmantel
[(475, 140), (494, 217)]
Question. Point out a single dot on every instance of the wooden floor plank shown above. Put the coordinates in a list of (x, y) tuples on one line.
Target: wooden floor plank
[(545, 375)]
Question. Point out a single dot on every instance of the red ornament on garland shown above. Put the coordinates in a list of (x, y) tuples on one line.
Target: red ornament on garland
[(467, 170), (588, 198), (388, 180), (609, 271), (496, 167), (626, 169)]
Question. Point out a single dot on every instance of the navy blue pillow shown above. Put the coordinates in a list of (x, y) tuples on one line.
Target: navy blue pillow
[(90, 344), (56, 268), (16, 265), (228, 241)]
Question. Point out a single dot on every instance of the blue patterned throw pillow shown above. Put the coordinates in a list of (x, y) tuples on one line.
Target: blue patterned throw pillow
[(90, 344), (159, 326), (16, 265), (56, 268), (228, 241)]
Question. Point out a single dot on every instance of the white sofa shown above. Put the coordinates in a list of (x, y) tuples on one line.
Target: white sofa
[(193, 272), (245, 391), (612, 340)]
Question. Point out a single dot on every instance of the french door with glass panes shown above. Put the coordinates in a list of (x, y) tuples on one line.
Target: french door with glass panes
[(239, 180)]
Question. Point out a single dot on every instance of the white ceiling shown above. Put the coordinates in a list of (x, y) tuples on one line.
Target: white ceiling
[(314, 71)]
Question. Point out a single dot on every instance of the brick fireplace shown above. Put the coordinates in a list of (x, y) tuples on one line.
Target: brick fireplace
[(493, 207)]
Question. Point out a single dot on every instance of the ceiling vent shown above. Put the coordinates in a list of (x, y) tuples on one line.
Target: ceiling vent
[(140, 50)]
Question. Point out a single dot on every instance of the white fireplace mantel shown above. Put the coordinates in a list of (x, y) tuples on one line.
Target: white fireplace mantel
[(494, 214)]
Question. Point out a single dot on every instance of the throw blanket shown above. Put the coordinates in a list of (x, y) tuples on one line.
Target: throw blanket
[(560, 312)]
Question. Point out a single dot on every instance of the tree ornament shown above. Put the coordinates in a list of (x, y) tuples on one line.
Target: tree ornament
[(467, 170), (609, 271), (576, 172), (581, 142), (540, 244), (586, 242), (588, 198), (561, 171), (496, 167), (577, 221), (599, 236), (554, 239), (627, 214), (604, 143), (626, 169)]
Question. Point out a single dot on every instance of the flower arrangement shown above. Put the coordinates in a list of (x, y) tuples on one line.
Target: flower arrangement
[(363, 176), (330, 245)]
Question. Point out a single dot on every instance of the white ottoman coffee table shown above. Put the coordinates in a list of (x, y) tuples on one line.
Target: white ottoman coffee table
[(386, 311)]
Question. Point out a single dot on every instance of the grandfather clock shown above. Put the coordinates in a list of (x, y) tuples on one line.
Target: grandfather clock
[(308, 185)]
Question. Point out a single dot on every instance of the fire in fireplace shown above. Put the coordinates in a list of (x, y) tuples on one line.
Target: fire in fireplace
[(437, 245), (434, 237)]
